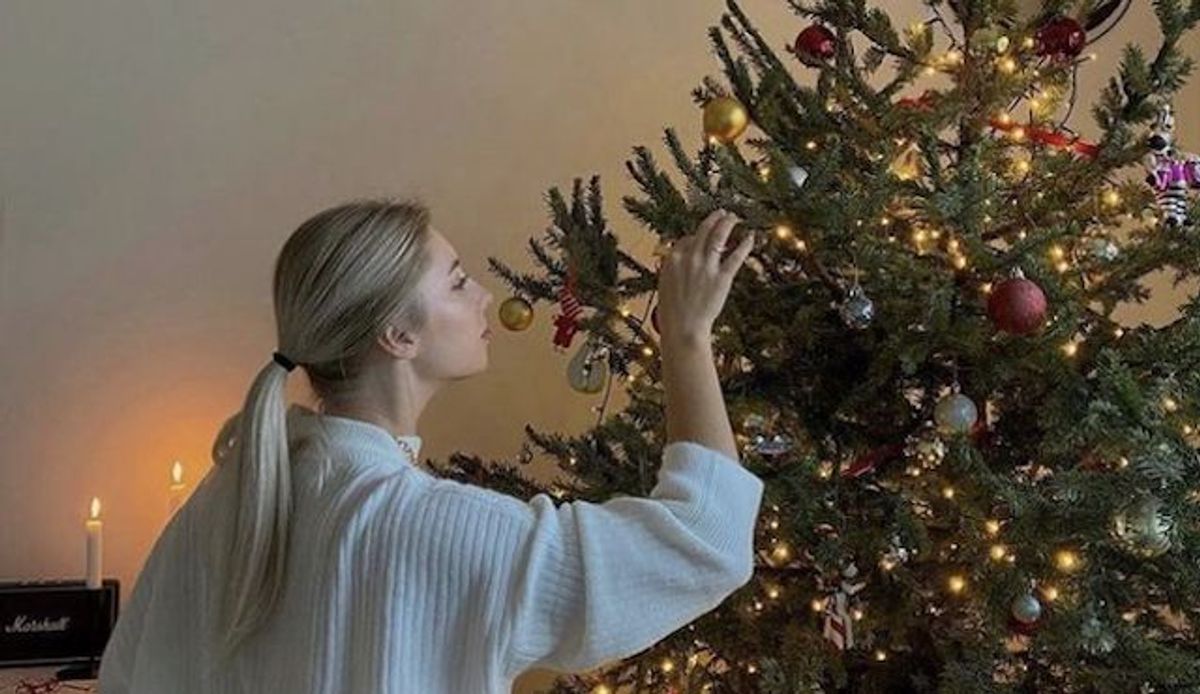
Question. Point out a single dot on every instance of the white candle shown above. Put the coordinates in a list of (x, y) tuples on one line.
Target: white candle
[(95, 546), (175, 492)]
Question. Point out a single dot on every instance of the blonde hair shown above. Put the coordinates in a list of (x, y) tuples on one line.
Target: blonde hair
[(341, 278)]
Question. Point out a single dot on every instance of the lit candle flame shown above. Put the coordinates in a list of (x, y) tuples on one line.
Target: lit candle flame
[(177, 473), (95, 509)]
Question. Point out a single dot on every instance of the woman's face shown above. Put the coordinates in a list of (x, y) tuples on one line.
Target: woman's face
[(453, 343)]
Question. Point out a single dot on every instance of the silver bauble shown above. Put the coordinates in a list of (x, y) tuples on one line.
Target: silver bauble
[(955, 414), (857, 310), (798, 175), (1143, 528), (1026, 609)]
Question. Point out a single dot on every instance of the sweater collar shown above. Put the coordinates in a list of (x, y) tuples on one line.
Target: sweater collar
[(363, 437)]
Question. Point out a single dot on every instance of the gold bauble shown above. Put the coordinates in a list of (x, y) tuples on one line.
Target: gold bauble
[(725, 118), (516, 313)]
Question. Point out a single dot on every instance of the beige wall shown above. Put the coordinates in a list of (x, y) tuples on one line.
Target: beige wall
[(154, 157)]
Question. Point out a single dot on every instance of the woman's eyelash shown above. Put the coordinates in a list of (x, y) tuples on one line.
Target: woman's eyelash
[(463, 282)]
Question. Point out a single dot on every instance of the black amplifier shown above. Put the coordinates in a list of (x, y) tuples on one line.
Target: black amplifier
[(47, 622)]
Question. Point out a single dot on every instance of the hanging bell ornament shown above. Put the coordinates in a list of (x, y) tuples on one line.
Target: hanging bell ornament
[(516, 314), (587, 371), (857, 310), (1143, 528), (725, 119), (955, 414)]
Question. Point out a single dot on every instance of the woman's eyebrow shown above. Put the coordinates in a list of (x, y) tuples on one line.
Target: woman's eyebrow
[(452, 266)]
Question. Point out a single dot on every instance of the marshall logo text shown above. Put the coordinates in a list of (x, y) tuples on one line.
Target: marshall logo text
[(22, 624)]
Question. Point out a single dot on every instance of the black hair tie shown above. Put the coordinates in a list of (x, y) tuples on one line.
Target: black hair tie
[(284, 361)]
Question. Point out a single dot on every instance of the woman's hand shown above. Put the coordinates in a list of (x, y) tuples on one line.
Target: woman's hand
[(694, 281)]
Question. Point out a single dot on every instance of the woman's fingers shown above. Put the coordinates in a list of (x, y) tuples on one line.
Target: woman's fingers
[(714, 245), (694, 281), (731, 264), (709, 223), (698, 238)]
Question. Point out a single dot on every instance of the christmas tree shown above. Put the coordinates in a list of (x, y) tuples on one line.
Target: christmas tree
[(977, 480)]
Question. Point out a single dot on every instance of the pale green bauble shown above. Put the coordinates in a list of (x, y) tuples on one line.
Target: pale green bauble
[(955, 414), (587, 371)]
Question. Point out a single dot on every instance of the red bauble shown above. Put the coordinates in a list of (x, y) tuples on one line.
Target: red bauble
[(816, 43), (1017, 306), (1062, 37)]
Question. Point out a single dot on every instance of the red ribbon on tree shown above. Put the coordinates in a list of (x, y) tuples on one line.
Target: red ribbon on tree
[(1050, 138), (867, 462), (925, 102), (567, 323)]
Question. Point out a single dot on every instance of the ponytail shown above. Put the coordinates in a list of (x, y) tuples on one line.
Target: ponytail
[(341, 278), (257, 551)]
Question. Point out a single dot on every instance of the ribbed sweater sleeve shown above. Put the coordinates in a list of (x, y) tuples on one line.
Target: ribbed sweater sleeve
[(583, 584)]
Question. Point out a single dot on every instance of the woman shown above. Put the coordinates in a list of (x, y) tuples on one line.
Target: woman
[(317, 556)]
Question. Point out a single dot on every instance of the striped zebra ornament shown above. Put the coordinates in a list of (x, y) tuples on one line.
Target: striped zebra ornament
[(1170, 173)]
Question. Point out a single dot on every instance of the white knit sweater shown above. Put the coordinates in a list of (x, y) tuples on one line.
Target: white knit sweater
[(399, 582)]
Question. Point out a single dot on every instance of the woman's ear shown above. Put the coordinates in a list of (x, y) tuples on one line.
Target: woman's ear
[(399, 343)]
